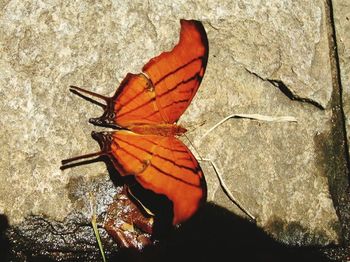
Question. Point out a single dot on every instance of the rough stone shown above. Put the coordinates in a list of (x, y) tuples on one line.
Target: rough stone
[(342, 20), (341, 188), (276, 170), (270, 59)]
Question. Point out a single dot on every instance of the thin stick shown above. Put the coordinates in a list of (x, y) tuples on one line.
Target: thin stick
[(227, 190), (222, 183), (253, 117), (94, 226), (66, 161), (105, 98)]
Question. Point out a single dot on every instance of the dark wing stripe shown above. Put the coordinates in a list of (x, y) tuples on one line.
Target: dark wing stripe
[(152, 98), (122, 165), (172, 112), (127, 102), (142, 94), (128, 152), (138, 107), (180, 83), (152, 142), (184, 158), (174, 177), (157, 168), (157, 155), (176, 102), (174, 163), (168, 148), (177, 69), (151, 114)]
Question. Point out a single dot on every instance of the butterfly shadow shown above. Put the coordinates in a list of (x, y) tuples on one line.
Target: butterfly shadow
[(215, 233)]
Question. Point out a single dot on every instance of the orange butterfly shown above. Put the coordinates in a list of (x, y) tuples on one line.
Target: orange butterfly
[(145, 109)]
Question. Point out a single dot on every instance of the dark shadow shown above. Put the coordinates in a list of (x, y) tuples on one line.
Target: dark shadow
[(114, 175), (215, 234), (4, 242), (160, 205)]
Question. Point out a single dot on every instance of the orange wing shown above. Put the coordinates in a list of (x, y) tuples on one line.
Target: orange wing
[(135, 102), (167, 87), (176, 75), (161, 164)]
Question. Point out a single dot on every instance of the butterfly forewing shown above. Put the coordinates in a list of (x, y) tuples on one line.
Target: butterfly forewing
[(170, 82), (176, 75)]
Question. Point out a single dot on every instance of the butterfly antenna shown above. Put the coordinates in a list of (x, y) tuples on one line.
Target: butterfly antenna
[(76, 88), (66, 163)]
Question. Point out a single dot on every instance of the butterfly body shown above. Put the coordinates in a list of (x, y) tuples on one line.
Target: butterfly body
[(160, 129)]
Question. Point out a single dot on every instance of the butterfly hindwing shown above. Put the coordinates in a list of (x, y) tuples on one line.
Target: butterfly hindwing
[(163, 165)]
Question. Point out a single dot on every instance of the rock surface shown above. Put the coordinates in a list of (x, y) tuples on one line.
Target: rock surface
[(268, 59), (342, 33), (342, 20)]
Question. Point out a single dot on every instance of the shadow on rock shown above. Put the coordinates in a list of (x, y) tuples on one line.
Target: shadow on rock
[(4, 243), (215, 233)]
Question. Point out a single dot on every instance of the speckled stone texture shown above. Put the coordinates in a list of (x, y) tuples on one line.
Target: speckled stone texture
[(264, 58)]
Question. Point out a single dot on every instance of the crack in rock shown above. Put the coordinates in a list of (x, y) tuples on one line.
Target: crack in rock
[(287, 91)]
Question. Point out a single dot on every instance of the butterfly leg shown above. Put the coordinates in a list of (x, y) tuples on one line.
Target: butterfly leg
[(126, 223)]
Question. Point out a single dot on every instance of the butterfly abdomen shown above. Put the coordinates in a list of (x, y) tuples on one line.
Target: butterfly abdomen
[(159, 129)]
